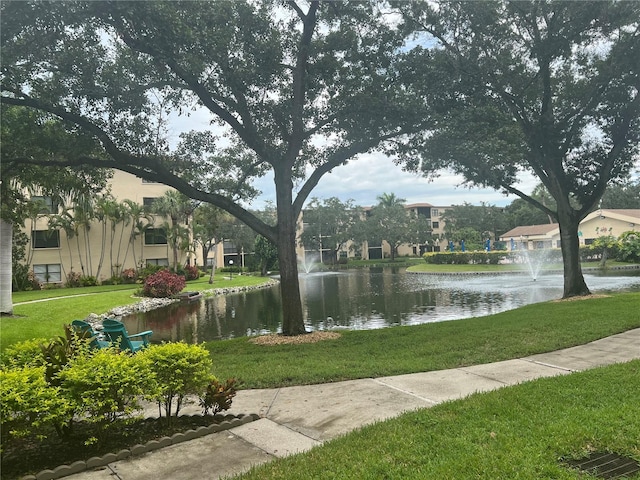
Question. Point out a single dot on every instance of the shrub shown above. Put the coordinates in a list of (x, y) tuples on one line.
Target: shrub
[(106, 385), (148, 270), (73, 279), (191, 272), (179, 369), (88, 281), (23, 354), (218, 396), (163, 284), (629, 247), (28, 405), (129, 275)]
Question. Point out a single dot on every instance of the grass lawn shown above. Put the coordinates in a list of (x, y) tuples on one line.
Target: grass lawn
[(520, 432), (392, 351)]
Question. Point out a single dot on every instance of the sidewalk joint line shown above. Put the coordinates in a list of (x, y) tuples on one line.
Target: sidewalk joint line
[(275, 397), (432, 402), (550, 365)]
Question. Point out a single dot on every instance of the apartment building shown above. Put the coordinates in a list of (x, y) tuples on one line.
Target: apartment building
[(602, 222), (65, 239)]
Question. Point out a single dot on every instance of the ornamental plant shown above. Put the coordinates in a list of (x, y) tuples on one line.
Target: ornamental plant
[(108, 384), (29, 405), (163, 284), (218, 396), (191, 272), (179, 369)]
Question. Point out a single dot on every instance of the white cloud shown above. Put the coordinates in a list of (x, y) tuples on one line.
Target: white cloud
[(368, 177)]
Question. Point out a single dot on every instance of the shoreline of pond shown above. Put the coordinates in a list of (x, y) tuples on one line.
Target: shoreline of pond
[(524, 271), (146, 304)]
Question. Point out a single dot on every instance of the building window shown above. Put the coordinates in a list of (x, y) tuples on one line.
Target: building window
[(229, 248), (434, 212), (149, 201), (163, 262), (155, 236), (46, 239), (48, 273), (144, 180), (435, 224), (47, 204)]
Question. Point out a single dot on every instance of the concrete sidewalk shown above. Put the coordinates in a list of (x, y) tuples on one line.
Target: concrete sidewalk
[(295, 419)]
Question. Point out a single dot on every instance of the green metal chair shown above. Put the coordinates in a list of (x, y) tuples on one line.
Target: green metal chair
[(117, 334), (85, 330)]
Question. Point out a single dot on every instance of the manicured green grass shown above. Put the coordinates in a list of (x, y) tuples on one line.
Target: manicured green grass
[(392, 351), (520, 432), (46, 319)]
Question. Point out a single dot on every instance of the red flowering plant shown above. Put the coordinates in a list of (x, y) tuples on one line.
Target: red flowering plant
[(163, 284), (129, 275), (191, 272)]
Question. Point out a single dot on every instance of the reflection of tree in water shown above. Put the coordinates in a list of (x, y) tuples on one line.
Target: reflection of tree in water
[(173, 323), (364, 299)]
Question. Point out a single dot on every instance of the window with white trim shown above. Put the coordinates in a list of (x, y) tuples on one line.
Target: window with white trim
[(48, 273)]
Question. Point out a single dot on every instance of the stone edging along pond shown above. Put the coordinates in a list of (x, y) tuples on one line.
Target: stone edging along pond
[(227, 422), (146, 303)]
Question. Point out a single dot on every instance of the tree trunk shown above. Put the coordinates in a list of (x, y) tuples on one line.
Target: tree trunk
[(574, 284), (292, 319), (6, 240)]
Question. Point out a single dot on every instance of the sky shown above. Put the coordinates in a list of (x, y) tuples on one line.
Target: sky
[(369, 176)]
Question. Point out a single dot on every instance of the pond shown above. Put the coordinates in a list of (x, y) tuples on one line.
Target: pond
[(363, 299)]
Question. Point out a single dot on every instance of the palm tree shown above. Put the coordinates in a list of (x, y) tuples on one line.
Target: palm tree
[(177, 208), (139, 219)]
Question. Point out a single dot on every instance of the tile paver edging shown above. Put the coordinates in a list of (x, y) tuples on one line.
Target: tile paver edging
[(230, 421)]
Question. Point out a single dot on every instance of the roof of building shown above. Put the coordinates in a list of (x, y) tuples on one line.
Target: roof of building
[(625, 212), (528, 230)]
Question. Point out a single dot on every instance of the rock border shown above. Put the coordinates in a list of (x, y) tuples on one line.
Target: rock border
[(226, 422), (147, 304)]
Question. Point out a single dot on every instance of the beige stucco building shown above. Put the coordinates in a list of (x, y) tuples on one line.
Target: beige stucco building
[(62, 242), (602, 222)]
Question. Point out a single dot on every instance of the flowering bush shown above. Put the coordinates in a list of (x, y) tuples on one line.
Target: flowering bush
[(163, 284), (129, 275), (191, 272)]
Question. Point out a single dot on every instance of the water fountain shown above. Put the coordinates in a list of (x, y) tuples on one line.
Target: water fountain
[(308, 263), (533, 260), (370, 298)]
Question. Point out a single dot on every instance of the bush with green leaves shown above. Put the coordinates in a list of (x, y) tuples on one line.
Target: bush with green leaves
[(629, 247), (29, 405), (179, 369), (107, 384), (23, 354)]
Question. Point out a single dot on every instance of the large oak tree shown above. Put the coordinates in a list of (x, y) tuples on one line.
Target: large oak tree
[(547, 87), (293, 88)]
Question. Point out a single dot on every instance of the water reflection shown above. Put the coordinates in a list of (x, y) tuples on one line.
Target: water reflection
[(361, 299)]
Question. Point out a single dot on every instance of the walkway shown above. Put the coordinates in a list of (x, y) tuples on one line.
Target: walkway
[(295, 419)]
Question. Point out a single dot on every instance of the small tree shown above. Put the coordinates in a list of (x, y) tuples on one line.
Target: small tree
[(266, 253), (390, 221), (179, 370)]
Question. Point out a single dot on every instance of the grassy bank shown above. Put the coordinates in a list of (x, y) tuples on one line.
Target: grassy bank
[(523, 432), (391, 351), (46, 319)]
